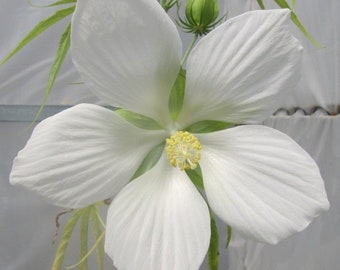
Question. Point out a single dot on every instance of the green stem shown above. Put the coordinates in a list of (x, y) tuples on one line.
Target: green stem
[(193, 41)]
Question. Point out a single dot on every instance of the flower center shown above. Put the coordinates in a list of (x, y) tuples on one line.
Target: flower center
[(183, 150)]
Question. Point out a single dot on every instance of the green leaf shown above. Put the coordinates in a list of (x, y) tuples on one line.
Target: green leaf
[(293, 4), (65, 238), (294, 18), (38, 29), (207, 126), (177, 95), (97, 231), (84, 226), (64, 45), (213, 253), (149, 161), (99, 240), (139, 120), (282, 3), (57, 3), (229, 231), (260, 2), (297, 22), (196, 177)]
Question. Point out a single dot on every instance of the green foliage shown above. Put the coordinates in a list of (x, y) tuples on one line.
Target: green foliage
[(84, 227), (177, 95), (139, 120), (65, 238), (86, 216), (294, 18), (260, 2), (168, 4), (64, 45), (38, 29), (207, 126), (98, 228), (57, 3), (196, 177), (229, 232), (213, 252), (149, 161), (297, 22)]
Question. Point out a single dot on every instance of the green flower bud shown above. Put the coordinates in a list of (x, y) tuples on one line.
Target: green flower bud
[(201, 15)]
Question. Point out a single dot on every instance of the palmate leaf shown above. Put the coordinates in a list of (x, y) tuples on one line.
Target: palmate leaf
[(38, 29)]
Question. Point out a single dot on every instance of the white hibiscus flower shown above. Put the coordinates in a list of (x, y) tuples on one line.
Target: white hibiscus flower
[(256, 179)]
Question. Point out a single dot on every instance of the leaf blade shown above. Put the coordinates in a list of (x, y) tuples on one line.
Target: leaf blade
[(229, 233), (207, 126), (177, 95), (38, 29), (196, 177), (84, 226), (139, 120), (97, 231), (149, 161), (213, 252), (57, 3), (260, 3), (64, 241)]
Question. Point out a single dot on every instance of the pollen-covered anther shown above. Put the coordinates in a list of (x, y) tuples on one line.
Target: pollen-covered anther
[(183, 150)]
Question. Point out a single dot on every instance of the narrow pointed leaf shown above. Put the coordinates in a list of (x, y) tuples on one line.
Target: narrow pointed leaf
[(297, 22), (294, 18), (64, 45), (177, 95), (97, 231), (282, 3), (149, 161), (99, 239), (293, 4), (139, 120), (260, 2), (196, 177), (38, 29), (207, 126), (57, 3), (213, 253), (65, 238), (84, 226), (229, 232)]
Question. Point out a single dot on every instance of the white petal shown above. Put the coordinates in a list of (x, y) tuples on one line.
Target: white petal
[(158, 221), (237, 72), (259, 181), (128, 52), (81, 155)]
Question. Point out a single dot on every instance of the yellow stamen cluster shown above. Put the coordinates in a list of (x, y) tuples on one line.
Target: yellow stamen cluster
[(183, 150)]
